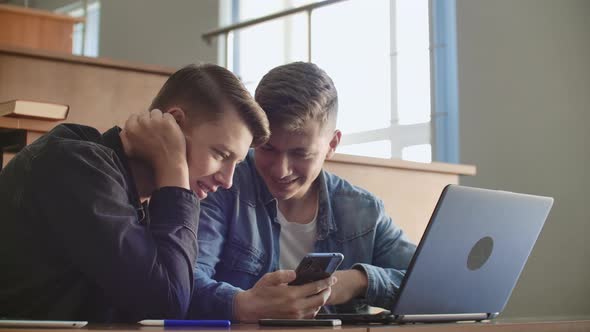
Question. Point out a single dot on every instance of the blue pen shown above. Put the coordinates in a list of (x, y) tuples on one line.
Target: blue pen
[(185, 322)]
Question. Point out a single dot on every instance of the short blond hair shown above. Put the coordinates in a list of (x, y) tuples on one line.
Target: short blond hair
[(295, 93)]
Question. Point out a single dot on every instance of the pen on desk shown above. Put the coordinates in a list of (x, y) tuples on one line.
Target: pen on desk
[(185, 322)]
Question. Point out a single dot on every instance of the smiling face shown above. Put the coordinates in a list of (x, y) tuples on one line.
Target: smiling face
[(214, 148), (290, 161)]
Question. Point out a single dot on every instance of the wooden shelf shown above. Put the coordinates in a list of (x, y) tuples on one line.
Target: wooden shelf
[(36, 29), (84, 60), (41, 126), (39, 13)]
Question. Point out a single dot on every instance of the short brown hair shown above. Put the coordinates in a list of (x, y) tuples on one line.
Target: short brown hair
[(203, 89), (295, 93)]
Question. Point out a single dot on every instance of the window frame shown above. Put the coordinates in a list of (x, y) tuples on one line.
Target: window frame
[(441, 132)]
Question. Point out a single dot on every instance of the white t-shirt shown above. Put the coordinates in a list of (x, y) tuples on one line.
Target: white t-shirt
[(296, 241)]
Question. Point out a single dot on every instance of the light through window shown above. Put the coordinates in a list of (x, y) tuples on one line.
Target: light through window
[(377, 53)]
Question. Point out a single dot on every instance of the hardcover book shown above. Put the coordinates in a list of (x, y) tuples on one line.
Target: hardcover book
[(34, 110)]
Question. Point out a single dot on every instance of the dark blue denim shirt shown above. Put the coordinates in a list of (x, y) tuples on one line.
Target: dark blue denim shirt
[(239, 240), (77, 244)]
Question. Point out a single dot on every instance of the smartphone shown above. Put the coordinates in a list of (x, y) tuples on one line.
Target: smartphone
[(300, 322), (316, 266), (384, 317)]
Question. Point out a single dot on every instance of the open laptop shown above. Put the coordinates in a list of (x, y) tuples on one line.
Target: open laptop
[(469, 259)]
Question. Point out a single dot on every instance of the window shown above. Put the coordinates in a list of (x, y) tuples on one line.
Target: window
[(85, 37), (377, 52)]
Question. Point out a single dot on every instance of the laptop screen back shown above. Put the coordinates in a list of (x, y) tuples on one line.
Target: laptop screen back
[(472, 252)]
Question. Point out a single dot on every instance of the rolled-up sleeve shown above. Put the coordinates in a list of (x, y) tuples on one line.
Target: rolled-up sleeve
[(392, 254)]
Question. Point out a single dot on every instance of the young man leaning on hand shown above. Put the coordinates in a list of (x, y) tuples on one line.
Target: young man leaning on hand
[(79, 240)]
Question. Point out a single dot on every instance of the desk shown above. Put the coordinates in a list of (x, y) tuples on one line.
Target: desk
[(495, 326)]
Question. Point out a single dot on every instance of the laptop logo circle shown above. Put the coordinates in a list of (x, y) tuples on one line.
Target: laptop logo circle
[(480, 253)]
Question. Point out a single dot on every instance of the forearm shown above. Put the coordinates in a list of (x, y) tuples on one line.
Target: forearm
[(145, 270), (243, 310), (173, 225), (351, 284), (150, 274), (175, 175), (360, 282), (212, 299), (382, 284), (392, 254)]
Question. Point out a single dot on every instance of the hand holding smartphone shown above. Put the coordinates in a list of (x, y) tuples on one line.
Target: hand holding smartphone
[(316, 266)]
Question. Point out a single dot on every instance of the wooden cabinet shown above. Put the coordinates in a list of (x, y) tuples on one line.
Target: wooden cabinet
[(100, 92), (36, 29)]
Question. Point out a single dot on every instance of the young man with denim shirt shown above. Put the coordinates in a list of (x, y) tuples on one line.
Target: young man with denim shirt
[(283, 206), (77, 241)]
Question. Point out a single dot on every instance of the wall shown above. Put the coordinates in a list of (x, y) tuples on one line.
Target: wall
[(167, 33), (524, 85)]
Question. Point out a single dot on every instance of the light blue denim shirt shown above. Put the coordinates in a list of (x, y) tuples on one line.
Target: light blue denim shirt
[(238, 239)]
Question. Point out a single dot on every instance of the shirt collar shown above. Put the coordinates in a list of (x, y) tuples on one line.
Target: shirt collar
[(326, 223), (112, 140), (325, 218)]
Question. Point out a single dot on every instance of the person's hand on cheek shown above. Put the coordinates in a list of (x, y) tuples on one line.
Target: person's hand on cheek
[(156, 138)]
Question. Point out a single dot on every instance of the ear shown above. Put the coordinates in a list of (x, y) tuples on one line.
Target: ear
[(334, 143), (178, 115)]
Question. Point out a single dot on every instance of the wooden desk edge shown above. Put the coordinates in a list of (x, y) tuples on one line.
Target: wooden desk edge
[(435, 167), (77, 59), (565, 325)]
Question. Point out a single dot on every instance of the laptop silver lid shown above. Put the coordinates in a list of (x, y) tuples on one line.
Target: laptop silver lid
[(472, 252)]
